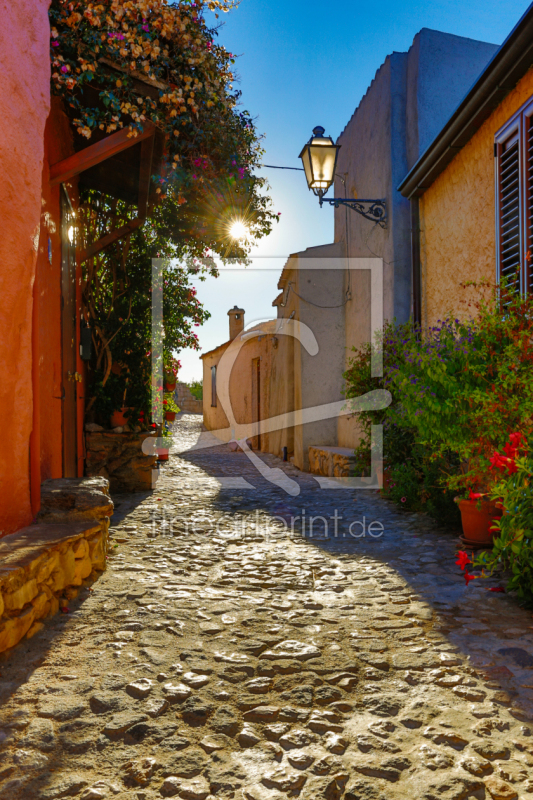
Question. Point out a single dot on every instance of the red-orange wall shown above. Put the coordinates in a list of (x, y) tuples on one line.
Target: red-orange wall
[(25, 89)]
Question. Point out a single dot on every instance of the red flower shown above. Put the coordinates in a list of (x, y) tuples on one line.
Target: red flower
[(497, 589), (509, 451), (469, 577), (473, 496), (517, 439), (498, 461), (463, 559)]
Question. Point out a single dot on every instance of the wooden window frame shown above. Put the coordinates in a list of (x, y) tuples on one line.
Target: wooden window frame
[(518, 124)]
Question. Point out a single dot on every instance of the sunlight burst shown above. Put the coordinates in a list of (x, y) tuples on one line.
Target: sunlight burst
[(238, 230)]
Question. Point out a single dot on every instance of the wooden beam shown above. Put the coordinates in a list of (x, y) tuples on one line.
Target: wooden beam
[(109, 238), (96, 153), (145, 176)]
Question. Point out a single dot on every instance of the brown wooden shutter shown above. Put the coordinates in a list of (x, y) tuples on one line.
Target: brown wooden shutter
[(529, 204), (509, 211)]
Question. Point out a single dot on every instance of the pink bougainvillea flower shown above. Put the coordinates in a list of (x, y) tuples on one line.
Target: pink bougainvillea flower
[(469, 577), (64, 69), (403, 499), (463, 559)]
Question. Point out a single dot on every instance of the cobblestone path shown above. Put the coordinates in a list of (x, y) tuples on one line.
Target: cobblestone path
[(225, 655)]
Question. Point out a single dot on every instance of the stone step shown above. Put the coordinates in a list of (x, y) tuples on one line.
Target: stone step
[(38, 564), (331, 462)]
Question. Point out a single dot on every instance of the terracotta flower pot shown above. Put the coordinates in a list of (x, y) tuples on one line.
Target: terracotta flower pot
[(478, 521), (118, 419), (162, 453), (170, 416), (169, 387)]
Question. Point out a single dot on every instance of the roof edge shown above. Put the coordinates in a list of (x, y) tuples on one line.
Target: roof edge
[(507, 66)]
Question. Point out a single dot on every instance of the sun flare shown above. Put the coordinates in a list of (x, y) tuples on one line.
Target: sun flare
[(238, 230)]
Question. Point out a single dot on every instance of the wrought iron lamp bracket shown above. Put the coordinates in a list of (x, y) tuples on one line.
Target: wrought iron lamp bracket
[(374, 210)]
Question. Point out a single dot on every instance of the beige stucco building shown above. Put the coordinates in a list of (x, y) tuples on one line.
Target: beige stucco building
[(237, 385), (474, 188), (283, 384)]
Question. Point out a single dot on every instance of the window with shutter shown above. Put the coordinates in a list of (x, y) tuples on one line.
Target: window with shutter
[(514, 200), (529, 202), (509, 211)]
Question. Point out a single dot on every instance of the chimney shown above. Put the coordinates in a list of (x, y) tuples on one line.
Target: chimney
[(236, 321)]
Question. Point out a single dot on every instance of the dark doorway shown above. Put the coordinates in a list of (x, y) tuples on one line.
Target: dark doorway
[(68, 339), (256, 403)]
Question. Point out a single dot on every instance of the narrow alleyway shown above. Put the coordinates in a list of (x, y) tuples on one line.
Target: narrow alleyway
[(224, 653)]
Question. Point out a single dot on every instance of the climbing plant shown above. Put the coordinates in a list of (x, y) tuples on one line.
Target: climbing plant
[(118, 64)]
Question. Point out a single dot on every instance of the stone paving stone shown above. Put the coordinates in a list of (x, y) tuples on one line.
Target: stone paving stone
[(225, 654)]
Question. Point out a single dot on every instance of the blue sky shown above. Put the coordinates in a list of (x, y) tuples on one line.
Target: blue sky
[(304, 63)]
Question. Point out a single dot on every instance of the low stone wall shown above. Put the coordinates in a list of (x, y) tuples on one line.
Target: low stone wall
[(332, 462), (186, 401), (119, 458), (43, 565)]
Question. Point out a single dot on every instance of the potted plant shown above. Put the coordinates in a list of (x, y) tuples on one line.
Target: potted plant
[(170, 374), (482, 510), (119, 418), (170, 408), (478, 517), (162, 451)]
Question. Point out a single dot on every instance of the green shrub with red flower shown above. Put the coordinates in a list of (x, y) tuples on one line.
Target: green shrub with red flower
[(414, 474), (512, 552), (117, 64), (169, 404), (459, 389), (465, 386)]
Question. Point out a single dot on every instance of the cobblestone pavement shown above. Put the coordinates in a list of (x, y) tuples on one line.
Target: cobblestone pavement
[(223, 655)]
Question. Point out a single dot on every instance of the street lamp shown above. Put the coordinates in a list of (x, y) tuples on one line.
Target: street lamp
[(319, 159)]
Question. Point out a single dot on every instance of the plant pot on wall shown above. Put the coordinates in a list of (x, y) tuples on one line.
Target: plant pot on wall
[(170, 416), (162, 453), (478, 521), (169, 387), (118, 419)]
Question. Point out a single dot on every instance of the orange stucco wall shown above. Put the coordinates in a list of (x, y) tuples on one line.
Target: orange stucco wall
[(458, 236), (25, 87)]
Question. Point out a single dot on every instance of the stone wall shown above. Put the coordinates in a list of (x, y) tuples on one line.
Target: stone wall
[(43, 565), (186, 401), (331, 462), (119, 457)]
